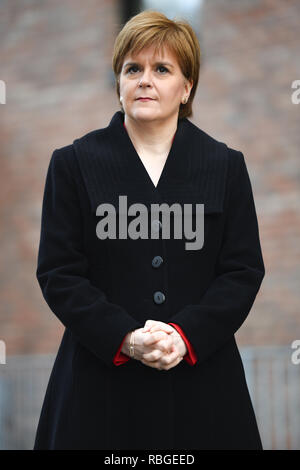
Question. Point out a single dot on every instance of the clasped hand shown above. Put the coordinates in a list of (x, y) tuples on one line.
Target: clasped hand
[(159, 345)]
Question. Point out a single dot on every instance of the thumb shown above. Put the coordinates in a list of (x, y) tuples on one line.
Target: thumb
[(148, 325), (164, 327)]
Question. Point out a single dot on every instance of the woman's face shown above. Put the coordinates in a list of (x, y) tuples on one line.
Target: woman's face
[(156, 76)]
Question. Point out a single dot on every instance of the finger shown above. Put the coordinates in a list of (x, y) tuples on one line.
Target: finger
[(169, 358), (154, 337), (148, 324), (162, 326), (156, 354), (165, 334), (161, 366), (153, 324), (173, 364), (146, 328), (153, 355), (160, 357), (168, 362), (154, 365), (165, 345)]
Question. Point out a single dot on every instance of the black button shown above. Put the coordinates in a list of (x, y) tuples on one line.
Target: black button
[(156, 225), (156, 262), (159, 297)]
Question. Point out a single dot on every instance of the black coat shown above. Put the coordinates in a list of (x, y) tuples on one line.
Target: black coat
[(102, 289)]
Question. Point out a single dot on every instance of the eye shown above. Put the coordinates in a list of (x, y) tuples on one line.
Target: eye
[(136, 67), (132, 67), (162, 67)]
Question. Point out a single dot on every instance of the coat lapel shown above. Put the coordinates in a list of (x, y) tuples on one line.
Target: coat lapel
[(194, 172)]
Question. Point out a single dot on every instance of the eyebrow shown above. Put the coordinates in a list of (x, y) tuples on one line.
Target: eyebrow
[(156, 63)]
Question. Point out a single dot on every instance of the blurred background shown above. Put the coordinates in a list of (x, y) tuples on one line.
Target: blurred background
[(56, 71)]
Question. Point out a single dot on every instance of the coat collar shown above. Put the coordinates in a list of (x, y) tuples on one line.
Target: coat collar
[(175, 168), (194, 172)]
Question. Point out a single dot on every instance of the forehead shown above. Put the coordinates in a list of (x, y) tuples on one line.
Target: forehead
[(163, 54)]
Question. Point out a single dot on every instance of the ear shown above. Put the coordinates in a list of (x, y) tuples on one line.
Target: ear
[(188, 85)]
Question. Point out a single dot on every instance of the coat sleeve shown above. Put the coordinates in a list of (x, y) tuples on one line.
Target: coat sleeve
[(190, 356), (239, 271), (62, 269), (121, 358)]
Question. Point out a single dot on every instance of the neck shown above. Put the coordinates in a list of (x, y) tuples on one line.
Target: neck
[(151, 137)]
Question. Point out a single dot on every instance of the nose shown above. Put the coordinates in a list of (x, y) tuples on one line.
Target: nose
[(146, 79)]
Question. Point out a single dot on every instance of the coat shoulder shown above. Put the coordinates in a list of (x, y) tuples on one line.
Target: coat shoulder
[(62, 159), (211, 141), (236, 157), (73, 161), (67, 154), (90, 142), (207, 139), (93, 136), (219, 155), (237, 168)]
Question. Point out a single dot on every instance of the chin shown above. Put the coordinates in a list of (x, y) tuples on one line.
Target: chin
[(145, 115)]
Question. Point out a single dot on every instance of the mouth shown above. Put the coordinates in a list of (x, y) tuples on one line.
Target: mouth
[(145, 99)]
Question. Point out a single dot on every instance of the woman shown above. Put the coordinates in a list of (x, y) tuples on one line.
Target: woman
[(148, 359)]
